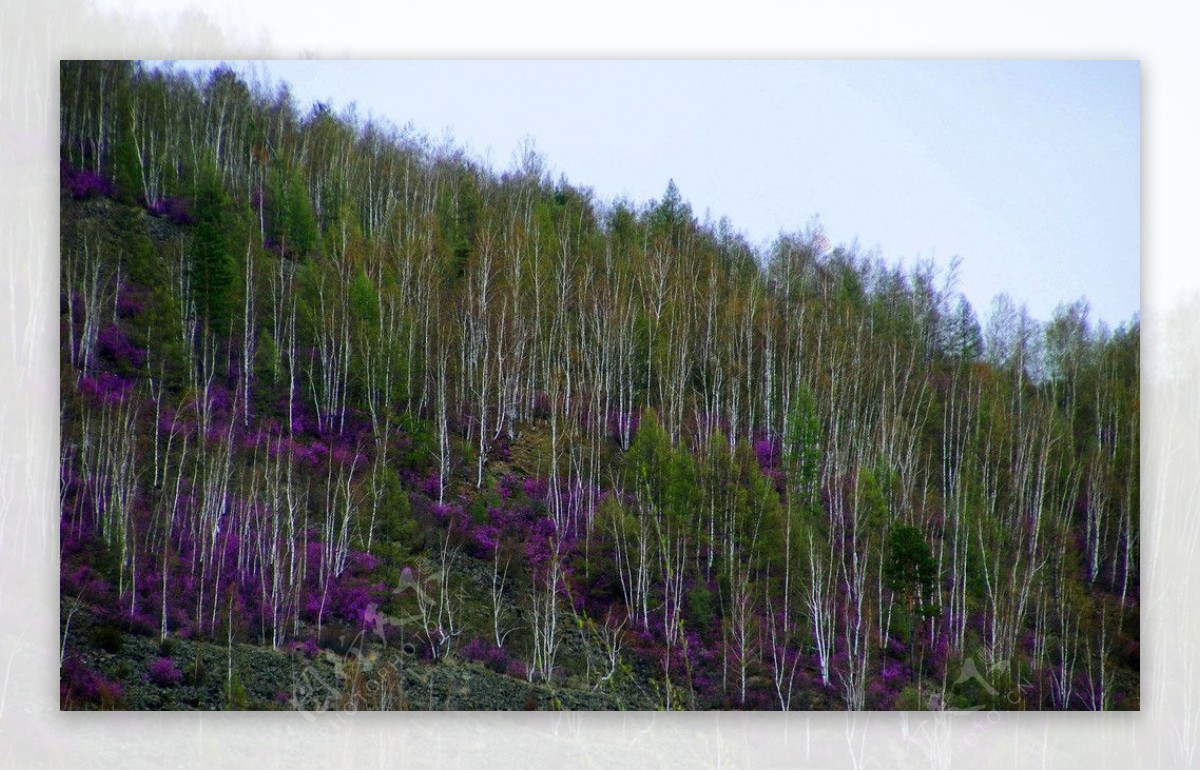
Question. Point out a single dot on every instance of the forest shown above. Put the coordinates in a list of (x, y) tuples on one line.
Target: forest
[(353, 420)]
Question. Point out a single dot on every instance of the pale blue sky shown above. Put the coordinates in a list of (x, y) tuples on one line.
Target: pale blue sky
[(1027, 170)]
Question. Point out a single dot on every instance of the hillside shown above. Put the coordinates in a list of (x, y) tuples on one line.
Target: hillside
[(346, 413)]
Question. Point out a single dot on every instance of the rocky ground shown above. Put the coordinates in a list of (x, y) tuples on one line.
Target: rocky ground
[(192, 675)]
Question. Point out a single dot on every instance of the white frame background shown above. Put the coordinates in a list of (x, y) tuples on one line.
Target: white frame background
[(34, 36)]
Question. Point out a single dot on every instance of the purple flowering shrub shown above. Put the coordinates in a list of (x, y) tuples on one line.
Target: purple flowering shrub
[(131, 301), (227, 596), (768, 452), (621, 423), (517, 669), (540, 542), (163, 672), (487, 653), (115, 347), (500, 449), (81, 687), (85, 183), (177, 210), (105, 388), (354, 601), (536, 488)]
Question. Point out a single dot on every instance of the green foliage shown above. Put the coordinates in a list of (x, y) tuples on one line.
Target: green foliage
[(364, 300), (195, 672), (236, 696), (963, 337), (144, 266), (127, 169), (108, 639), (757, 516), (848, 282), (421, 447), (802, 446), (909, 566), (568, 218), (268, 365), (458, 213), (701, 607), (211, 267), (396, 529), (872, 504), (650, 458), (289, 213), (622, 227), (670, 217), (910, 700)]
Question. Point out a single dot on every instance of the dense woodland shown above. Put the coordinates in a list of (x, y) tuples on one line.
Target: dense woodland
[(320, 377)]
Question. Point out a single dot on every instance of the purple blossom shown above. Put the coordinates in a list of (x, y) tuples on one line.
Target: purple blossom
[(163, 672), (536, 489), (500, 451), (114, 345), (509, 485), (892, 670), (342, 455), (361, 563), (177, 210), (485, 539), (620, 421), (767, 452), (79, 685), (85, 183), (129, 302), (431, 483), (491, 656), (446, 512), (538, 545), (106, 388)]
